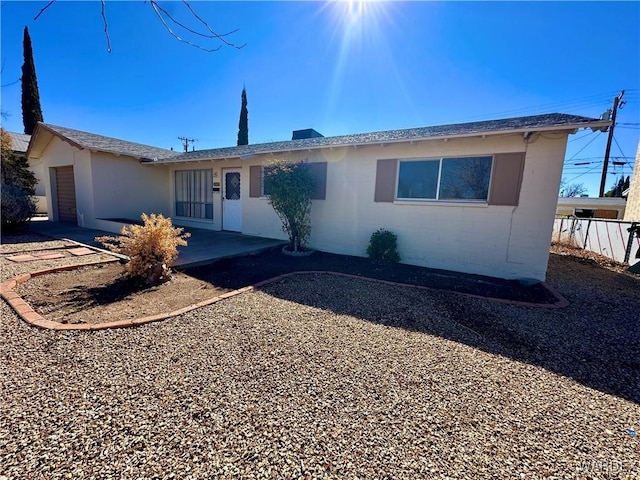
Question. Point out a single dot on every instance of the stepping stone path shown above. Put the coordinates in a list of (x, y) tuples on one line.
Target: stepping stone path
[(80, 251)]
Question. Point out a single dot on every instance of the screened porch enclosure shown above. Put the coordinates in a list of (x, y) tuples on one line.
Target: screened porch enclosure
[(194, 194)]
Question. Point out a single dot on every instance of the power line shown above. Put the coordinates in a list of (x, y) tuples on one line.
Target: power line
[(582, 102), (585, 173), (186, 141), (582, 136), (618, 145), (600, 157), (585, 146)]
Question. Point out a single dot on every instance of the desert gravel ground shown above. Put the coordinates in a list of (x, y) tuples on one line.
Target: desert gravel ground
[(324, 377)]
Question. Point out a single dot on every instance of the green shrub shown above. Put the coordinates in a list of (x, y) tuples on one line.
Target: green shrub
[(290, 189), (15, 169), (383, 246), (151, 247), (17, 207)]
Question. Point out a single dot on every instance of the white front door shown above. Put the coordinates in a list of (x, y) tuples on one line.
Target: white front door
[(231, 203)]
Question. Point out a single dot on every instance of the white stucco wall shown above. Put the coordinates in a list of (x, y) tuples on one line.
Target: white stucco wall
[(122, 188), (508, 242), (61, 154), (107, 186), (38, 169), (632, 212)]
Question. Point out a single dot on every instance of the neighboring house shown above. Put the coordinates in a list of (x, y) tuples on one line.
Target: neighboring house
[(475, 197), (20, 142), (632, 213), (592, 207)]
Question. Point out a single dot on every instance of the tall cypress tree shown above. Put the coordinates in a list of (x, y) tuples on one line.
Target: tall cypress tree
[(243, 125), (31, 111)]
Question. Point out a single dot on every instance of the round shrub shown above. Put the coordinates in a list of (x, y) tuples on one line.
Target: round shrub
[(383, 246), (17, 206)]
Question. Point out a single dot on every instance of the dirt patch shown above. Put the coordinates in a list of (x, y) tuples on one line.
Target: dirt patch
[(101, 294), (588, 257), (242, 271)]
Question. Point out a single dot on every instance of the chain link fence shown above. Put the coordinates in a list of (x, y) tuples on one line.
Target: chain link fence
[(616, 239)]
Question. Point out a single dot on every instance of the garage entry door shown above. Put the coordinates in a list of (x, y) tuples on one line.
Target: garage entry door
[(66, 194)]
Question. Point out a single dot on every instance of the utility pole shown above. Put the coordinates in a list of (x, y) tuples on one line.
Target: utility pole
[(616, 103), (185, 143)]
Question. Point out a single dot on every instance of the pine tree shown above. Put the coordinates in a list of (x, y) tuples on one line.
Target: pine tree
[(31, 111), (243, 125)]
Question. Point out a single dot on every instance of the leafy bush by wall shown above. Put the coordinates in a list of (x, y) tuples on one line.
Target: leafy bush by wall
[(290, 189), (383, 246), (17, 207)]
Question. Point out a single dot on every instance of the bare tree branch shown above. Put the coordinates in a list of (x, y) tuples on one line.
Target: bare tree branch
[(106, 27), (212, 34), (42, 11), (163, 15), (174, 35), (9, 84), (219, 36), (2, 73)]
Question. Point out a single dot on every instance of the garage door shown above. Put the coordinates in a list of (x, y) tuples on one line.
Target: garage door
[(66, 195)]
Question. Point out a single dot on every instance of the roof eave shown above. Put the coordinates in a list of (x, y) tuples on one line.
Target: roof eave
[(572, 128), (43, 127)]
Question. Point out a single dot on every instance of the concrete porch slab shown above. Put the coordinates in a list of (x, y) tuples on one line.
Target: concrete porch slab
[(204, 246)]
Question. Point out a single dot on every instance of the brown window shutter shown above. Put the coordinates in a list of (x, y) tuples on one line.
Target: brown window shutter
[(255, 181), (386, 171), (506, 178), (319, 172)]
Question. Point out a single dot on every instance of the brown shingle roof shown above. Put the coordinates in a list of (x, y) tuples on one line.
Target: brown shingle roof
[(531, 123), (100, 143), (20, 141)]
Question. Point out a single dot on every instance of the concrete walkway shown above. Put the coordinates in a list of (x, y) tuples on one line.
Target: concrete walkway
[(204, 246)]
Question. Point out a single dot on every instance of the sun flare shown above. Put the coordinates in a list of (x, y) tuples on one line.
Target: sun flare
[(359, 30), (358, 10)]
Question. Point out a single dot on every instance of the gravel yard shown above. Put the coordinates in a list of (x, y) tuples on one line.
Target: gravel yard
[(319, 376)]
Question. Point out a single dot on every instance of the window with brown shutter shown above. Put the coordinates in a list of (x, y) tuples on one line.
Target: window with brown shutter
[(255, 181), (319, 172), (257, 186), (452, 179), (386, 171), (506, 179), (447, 179)]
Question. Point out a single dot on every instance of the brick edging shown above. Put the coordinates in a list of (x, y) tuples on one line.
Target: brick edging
[(29, 315)]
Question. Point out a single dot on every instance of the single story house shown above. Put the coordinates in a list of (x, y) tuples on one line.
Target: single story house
[(20, 142), (592, 207), (474, 197)]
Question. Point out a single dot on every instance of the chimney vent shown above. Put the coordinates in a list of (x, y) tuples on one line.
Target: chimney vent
[(306, 133)]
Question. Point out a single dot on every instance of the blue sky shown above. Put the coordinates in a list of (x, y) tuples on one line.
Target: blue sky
[(338, 67)]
